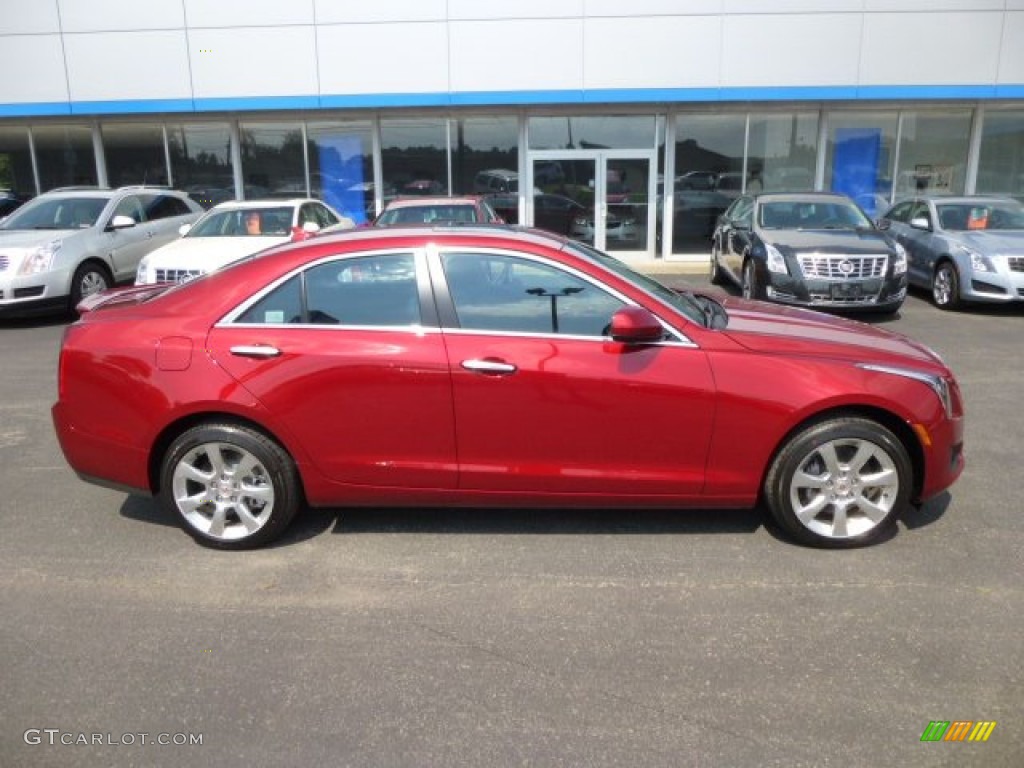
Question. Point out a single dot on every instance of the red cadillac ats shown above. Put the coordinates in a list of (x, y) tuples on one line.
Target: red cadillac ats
[(493, 367)]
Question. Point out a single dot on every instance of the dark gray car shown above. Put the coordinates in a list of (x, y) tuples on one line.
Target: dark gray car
[(814, 249), (963, 249)]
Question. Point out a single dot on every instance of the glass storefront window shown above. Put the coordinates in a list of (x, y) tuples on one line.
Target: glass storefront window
[(64, 156), (341, 167), (485, 156), (201, 161), (414, 155), (782, 151), (134, 154), (860, 156), (16, 180), (273, 164), (593, 132), (933, 153), (1001, 160), (708, 175)]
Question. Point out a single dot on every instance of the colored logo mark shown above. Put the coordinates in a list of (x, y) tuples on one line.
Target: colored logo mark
[(958, 730)]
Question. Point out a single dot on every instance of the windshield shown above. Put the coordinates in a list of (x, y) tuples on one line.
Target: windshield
[(275, 221), (811, 214), (426, 214), (57, 213), (681, 302), (961, 217)]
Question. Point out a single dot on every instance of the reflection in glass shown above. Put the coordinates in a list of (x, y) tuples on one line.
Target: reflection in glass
[(782, 150), (1001, 161), (16, 180), (272, 160), (414, 154), (201, 161), (341, 167), (933, 153), (485, 156), (859, 157), (64, 156), (596, 132), (563, 198), (708, 175), (134, 154)]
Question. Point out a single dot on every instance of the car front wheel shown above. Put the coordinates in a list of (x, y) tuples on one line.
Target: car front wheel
[(840, 483), (231, 486), (946, 286), (715, 273), (751, 288), (89, 278)]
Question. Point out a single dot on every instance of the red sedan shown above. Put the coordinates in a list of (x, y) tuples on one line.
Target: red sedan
[(493, 367)]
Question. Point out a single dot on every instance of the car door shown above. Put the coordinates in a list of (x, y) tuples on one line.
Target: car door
[(349, 361), (165, 214), (736, 231), (919, 241), (126, 246), (546, 402)]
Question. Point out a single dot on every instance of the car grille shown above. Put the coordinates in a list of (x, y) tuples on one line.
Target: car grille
[(5, 262), (1016, 263), (840, 267), (177, 275)]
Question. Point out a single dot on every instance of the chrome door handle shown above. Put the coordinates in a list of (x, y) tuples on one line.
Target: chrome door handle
[(255, 351), (488, 366)]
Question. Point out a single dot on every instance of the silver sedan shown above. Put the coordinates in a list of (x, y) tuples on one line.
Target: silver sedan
[(963, 249)]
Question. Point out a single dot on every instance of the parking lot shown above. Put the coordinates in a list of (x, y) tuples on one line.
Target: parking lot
[(471, 638)]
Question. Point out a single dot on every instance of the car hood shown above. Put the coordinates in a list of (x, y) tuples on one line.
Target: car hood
[(846, 241), (209, 253), (30, 238), (773, 329), (990, 242)]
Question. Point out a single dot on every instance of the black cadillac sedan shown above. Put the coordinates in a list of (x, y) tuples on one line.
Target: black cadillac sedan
[(813, 249)]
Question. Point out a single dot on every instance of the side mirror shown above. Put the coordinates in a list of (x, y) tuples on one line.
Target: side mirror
[(184, 229), (121, 222), (635, 325), (920, 223), (882, 224), (306, 231)]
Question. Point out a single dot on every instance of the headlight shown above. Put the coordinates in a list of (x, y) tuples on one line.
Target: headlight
[(979, 263), (899, 264), (938, 384), (140, 273), (40, 259), (776, 262)]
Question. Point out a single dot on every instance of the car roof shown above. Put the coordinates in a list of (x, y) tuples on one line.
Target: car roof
[(238, 205), (965, 199), (796, 197), (422, 200), (467, 231)]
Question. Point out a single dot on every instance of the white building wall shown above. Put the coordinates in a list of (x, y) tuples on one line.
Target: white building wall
[(83, 56)]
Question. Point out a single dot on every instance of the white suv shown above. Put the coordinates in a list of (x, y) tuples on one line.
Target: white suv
[(72, 242)]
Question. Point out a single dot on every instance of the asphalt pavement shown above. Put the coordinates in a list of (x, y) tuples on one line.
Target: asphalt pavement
[(497, 638)]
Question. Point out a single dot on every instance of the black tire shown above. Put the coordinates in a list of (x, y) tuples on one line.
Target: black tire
[(90, 277), (831, 503), (751, 286), (946, 286), (227, 509), (715, 273)]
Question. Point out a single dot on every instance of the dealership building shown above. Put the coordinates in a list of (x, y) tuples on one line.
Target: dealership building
[(649, 116)]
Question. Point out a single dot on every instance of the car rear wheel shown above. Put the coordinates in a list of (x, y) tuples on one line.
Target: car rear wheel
[(838, 484), (751, 288), (946, 286), (88, 279), (231, 486)]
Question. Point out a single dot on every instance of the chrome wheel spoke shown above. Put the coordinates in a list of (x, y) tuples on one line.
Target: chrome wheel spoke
[(840, 521), (803, 479), (808, 512), (248, 519), (264, 494), (875, 512), (218, 521)]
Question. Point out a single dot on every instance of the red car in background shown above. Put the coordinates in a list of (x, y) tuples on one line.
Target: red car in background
[(493, 367)]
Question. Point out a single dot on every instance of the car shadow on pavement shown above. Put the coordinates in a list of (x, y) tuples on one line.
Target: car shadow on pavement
[(538, 521)]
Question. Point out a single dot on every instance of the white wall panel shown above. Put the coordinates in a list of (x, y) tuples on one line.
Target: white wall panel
[(930, 49), (116, 15), (676, 52), (517, 55), (106, 66), (247, 13), (333, 12), (791, 6), (1011, 62), (253, 62), (383, 58), (26, 17), (521, 9), (816, 50), (926, 6), (598, 8), (44, 82)]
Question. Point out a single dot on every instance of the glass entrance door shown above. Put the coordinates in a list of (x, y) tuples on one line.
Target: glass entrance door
[(604, 199)]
